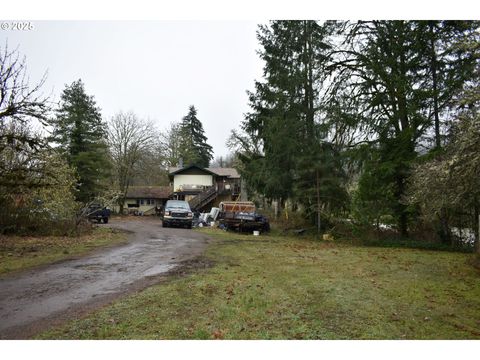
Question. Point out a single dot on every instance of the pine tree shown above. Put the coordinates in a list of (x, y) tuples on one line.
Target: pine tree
[(285, 110), (194, 149), (79, 132)]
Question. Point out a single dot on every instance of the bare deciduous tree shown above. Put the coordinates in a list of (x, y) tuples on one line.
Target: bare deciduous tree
[(20, 104), (19, 101), (171, 144), (129, 139)]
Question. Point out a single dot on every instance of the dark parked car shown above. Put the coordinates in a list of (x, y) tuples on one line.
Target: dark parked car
[(98, 213), (177, 212)]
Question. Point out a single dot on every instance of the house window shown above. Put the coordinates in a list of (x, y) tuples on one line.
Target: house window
[(142, 202)]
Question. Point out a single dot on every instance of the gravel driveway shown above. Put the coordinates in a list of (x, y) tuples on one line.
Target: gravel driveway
[(34, 299)]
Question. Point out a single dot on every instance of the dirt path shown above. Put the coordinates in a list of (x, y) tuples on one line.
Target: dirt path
[(34, 299)]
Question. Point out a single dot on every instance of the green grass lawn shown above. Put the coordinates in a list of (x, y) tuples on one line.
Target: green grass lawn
[(23, 252), (273, 287)]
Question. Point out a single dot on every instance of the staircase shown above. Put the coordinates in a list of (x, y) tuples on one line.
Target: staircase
[(203, 198)]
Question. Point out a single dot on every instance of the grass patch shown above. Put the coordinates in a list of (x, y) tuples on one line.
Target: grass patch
[(417, 244), (274, 287), (23, 252)]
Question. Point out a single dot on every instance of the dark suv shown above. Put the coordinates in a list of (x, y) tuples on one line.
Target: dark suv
[(177, 212), (98, 212)]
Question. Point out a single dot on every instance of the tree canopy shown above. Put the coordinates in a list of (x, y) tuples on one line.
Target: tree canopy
[(194, 148), (79, 133), (358, 106)]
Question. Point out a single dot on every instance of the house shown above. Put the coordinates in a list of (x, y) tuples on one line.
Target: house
[(204, 187), (144, 199)]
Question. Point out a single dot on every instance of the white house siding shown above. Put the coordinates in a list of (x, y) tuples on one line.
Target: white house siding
[(203, 180), (143, 208)]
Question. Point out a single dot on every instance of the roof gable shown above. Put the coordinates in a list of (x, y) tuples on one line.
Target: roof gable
[(188, 169), (218, 171)]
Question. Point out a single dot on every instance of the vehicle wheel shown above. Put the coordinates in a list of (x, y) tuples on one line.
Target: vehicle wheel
[(164, 224), (189, 226)]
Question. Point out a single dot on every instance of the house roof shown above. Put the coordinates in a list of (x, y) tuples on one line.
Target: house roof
[(176, 170), (228, 172), (149, 192)]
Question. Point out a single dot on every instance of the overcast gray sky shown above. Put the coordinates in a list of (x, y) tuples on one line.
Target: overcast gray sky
[(155, 69)]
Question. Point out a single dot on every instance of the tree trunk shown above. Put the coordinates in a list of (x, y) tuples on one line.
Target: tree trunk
[(433, 68), (275, 208), (445, 228), (281, 206), (405, 141), (403, 225), (401, 208), (318, 202), (308, 81), (476, 221), (478, 235), (124, 185)]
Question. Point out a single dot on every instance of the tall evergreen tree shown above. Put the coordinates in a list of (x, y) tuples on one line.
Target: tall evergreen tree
[(79, 132), (447, 68), (381, 92), (194, 149), (381, 70), (401, 75), (285, 118)]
